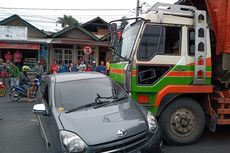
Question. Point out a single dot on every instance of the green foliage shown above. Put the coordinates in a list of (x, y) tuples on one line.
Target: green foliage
[(67, 21)]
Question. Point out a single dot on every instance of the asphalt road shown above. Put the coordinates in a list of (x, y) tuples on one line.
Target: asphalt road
[(19, 133)]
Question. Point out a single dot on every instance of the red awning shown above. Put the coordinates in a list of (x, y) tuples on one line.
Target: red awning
[(8, 45), (219, 12)]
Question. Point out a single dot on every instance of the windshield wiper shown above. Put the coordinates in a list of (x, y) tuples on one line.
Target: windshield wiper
[(124, 58), (80, 107), (116, 99)]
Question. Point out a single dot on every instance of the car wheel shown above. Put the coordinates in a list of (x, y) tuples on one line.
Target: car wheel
[(182, 122)]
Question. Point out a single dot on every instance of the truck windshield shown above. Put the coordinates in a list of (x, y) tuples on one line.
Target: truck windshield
[(127, 40)]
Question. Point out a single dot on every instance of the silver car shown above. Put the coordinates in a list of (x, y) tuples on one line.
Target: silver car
[(87, 112)]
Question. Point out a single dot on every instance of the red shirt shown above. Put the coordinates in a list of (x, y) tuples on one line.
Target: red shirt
[(8, 56), (17, 57), (54, 68)]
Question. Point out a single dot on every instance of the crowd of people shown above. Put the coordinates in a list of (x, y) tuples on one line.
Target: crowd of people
[(62, 67), (10, 73)]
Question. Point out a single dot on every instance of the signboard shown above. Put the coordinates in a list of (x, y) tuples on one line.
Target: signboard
[(87, 50), (13, 32)]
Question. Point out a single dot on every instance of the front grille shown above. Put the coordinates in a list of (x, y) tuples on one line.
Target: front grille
[(123, 146)]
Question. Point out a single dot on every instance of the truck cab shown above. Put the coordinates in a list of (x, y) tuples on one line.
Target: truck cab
[(163, 59)]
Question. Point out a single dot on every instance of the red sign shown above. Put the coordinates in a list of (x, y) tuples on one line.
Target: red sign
[(6, 45), (87, 50)]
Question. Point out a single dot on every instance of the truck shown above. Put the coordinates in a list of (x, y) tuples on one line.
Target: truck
[(175, 60)]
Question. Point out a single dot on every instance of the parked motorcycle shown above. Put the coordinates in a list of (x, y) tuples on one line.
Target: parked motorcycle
[(16, 92)]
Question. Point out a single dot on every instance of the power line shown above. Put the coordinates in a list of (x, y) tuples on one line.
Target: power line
[(60, 9)]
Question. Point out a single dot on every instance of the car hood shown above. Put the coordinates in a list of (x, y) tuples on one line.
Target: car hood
[(101, 125)]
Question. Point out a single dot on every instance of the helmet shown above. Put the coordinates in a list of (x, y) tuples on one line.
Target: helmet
[(25, 68)]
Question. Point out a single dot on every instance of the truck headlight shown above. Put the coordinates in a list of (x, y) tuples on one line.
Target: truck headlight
[(72, 142), (152, 122)]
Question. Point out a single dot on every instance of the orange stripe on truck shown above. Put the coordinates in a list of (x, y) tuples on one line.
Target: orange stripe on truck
[(182, 89), (184, 74), (117, 71)]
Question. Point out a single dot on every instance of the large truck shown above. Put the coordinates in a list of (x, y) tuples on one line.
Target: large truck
[(175, 60)]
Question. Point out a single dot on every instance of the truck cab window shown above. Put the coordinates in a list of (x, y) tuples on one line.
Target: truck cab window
[(159, 40)]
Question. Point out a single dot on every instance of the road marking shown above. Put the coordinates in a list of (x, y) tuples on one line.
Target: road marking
[(34, 120)]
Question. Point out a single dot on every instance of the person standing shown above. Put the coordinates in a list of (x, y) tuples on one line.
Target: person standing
[(108, 67), (39, 69), (5, 75), (82, 66), (63, 68), (54, 68), (17, 58), (8, 57), (14, 74), (101, 68), (94, 67)]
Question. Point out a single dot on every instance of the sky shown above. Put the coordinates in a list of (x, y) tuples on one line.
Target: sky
[(84, 10)]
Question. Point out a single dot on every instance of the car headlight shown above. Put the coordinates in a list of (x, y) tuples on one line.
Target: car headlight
[(72, 142), (152, 122)]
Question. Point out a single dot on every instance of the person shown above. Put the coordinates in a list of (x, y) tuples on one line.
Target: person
[(54, 68), (1, 65), (94, 67), (75, 68), (8, 57), (39, 69), (63, 68), (17, 58), (24, 81), (5, 75), (101, 68), (82, 66), (14, 74), (88, 69), (108, 67)]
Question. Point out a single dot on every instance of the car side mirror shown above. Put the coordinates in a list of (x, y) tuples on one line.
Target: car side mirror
[(39, 109)]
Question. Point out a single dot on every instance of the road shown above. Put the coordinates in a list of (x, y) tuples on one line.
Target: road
[(19, 133)]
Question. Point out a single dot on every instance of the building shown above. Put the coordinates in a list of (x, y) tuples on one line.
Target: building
[(68, 44), (19, 36), (73, 44)]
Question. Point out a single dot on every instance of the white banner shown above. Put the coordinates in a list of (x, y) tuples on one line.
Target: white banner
[(13, 32)]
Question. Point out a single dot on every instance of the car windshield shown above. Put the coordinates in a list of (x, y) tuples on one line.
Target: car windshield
[(78, 93), (128, 39)]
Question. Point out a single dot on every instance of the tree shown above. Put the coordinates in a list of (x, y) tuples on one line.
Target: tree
[(124, 22), (66, 21)]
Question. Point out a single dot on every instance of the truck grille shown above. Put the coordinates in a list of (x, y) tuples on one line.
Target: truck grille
[(124, 145)]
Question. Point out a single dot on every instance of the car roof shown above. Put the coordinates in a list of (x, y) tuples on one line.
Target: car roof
[(74, 76)]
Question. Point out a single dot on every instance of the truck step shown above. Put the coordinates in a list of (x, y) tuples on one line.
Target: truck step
[(223, 121), (222, 100), (223, 111)]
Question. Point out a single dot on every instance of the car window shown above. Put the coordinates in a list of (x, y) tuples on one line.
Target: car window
[(77, 93)]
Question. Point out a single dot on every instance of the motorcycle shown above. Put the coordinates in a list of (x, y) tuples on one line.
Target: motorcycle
[(17, 92)]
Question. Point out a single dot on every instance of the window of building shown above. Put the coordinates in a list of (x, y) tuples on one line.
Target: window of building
[(157, 39), (81, 56), (63, 55)]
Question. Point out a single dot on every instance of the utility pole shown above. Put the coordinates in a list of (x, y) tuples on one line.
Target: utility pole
[(138, 8)]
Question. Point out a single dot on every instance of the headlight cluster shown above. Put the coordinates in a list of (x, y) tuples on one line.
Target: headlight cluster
[(152, 122), (72, 142)]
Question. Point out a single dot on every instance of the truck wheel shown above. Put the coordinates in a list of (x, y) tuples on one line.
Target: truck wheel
[(182, 122)]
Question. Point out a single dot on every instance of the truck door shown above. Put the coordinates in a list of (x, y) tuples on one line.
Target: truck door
[(160, 61)]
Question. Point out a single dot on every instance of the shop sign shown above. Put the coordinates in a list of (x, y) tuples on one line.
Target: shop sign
[(87, 50), (13, 32)]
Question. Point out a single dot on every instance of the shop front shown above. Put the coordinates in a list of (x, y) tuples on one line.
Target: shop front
[(19, 53)]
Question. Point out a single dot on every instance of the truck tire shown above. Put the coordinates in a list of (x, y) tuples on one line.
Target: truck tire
[(182, 121)]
